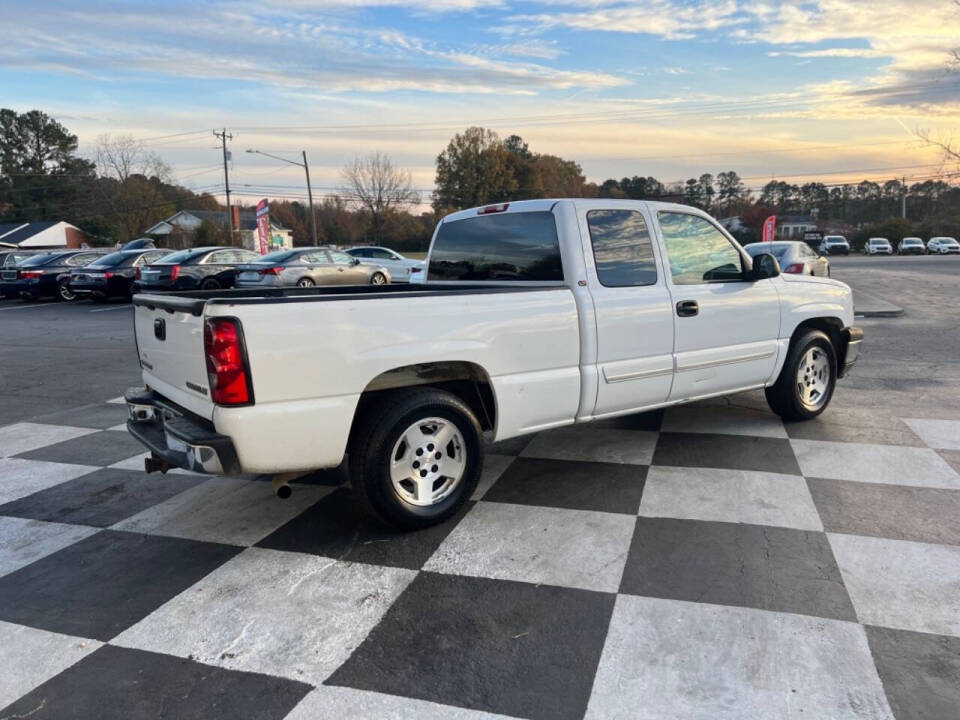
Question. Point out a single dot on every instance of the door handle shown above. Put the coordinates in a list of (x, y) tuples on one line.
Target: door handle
[(688, 308)]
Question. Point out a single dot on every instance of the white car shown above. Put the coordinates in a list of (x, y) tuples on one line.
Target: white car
[(401, 269), (834, 245), (878, 246), (911, 246), (943, 246), (535, 315)]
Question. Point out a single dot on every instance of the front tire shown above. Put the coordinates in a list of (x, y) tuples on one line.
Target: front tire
[(64, 292), (305, 282), (808, 378), (415, 457)]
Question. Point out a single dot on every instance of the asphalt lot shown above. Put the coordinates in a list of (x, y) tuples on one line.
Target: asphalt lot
[(706, 561)]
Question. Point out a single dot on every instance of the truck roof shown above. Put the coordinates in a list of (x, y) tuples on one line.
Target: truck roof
[(547, 204)]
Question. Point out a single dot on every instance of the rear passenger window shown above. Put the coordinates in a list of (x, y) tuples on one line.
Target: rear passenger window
[(516, 246), (621, 248)]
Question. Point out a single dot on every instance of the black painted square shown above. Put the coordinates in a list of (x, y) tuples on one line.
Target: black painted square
[(734, 452), (337, 527), (102, 585), (103, 448), (650, 421), (920, 672), (117, 683), (493, 645), (930, 515), (605, 487), (755, 566), (100, 498)]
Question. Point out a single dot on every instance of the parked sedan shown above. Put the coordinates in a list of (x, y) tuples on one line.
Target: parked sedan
[(911, 246), (203, 268), (796, 258), (46, 275), (878, 246), (835, 245), (402, 269), (306, 267), (8, 261), (943, 246), (112, 275)]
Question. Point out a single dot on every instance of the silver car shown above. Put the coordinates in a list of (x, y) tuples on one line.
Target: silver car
[(402, 269), (796, 258), (309, 266)]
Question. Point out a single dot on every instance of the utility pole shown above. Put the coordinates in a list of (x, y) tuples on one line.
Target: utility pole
[(306, 168), (904, 194), (313, 216), (226, 177)]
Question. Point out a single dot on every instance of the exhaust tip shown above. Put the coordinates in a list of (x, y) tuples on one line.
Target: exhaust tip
[(284, 491)]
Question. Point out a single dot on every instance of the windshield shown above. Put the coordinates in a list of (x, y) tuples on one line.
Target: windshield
[(836, 241), (35, 260), (111, 260), (879, 241), (778, 250), (177, 257), (911, 241), (279, 256)]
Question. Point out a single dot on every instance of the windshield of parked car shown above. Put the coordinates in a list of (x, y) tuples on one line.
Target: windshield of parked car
[(111, 260), (879, 241), (836, 240), (911, 241), (778, 250), (279, 256), (35, 260), (947, 241), (177, 257)]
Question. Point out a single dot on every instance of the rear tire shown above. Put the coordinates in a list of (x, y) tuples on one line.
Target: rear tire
[(378, 278), (389, 452), (305, 282), (808, 378), (210, 284)]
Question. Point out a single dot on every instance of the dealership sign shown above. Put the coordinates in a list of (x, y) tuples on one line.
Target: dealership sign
[(769, 228), (263, 225)]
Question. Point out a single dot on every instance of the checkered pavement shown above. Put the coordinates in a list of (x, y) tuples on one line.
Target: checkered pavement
[(706, 561)]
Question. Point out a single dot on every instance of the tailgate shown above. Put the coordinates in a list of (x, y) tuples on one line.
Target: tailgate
[(170, 344)]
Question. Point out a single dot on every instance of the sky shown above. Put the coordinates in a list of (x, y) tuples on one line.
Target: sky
[(800, 90)]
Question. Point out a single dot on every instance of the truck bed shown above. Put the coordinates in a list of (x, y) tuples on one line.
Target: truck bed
[(193, 301)]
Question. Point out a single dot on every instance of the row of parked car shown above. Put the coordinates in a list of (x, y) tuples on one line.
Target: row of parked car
[(100, 275), (838, 245)]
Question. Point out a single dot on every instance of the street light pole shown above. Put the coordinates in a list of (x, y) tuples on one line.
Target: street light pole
[(306, 168)]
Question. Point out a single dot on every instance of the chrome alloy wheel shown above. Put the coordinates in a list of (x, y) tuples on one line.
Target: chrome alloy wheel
[(813, 378), (378, 279), (428, 461)]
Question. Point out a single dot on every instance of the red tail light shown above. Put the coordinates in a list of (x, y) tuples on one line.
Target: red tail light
[(270, 271), (29, 274), (795, 269), (174, 272), (227, 369), (108, 274), (136, 275)]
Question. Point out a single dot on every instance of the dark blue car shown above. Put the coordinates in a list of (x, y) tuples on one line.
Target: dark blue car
[(46, 275)]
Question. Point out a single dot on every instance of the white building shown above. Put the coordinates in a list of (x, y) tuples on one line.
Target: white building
[(244, 222), (47, 234)]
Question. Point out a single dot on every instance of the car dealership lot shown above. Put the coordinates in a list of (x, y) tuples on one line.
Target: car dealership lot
[(708, 560)]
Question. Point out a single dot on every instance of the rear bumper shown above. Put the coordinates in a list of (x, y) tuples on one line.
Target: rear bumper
[(177, 439), (851, 350)]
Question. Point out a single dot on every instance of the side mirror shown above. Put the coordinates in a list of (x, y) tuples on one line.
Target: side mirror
[(356, 261), (765, 266)]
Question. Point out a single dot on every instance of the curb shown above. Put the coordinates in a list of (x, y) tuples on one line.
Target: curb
[(875, 306)]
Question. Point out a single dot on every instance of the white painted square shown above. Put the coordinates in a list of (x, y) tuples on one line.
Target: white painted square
[(281, 613), (553, 546), (344, 703), (117, 400), (939, 434), (224, 510), (493, 467), (19, 477), (736, 496), (722, 420), (673, 659), (577, 442), (901, 584), (29, 657), (888, 464), (22, 541), (24, 437)]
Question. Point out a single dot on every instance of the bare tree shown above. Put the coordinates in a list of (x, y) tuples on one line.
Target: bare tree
[(376, 185), (130, 189)]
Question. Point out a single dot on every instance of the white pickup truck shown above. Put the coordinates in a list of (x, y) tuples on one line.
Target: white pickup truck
[(534, 315)]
